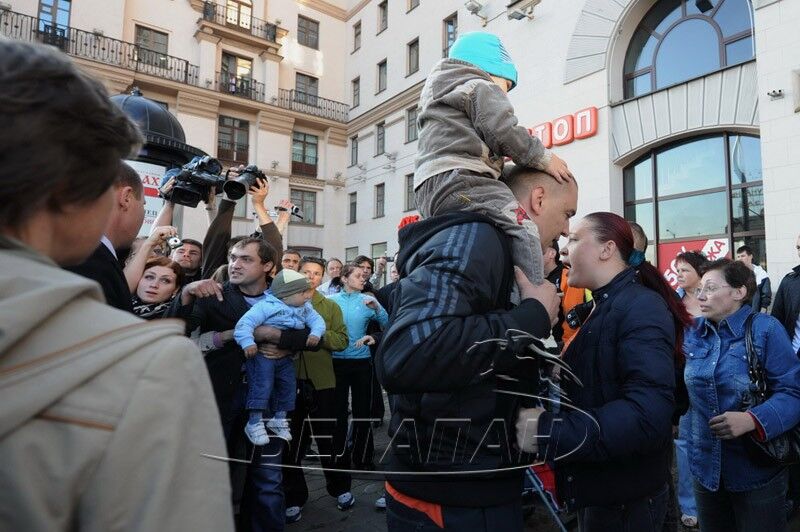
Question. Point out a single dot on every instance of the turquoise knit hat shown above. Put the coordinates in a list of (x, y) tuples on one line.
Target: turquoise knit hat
[(485, 51)]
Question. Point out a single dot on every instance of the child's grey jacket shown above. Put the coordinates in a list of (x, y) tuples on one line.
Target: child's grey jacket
[(466, 121)]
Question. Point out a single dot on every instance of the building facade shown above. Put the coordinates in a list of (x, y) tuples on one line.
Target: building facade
[(679, 114)]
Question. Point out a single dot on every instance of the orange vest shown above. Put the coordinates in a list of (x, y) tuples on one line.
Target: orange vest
[(572, 296)]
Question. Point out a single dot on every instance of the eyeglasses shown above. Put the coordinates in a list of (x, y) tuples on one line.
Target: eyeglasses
[(710, 289)]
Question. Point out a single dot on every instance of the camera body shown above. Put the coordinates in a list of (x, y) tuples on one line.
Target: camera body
[(294, 210), (194, 181), (174, 242)]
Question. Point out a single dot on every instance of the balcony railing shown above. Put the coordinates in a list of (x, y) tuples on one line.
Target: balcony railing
[(304, 169), (312, 104), (233, 152), (240, 86), (232, 17), (95, 47)]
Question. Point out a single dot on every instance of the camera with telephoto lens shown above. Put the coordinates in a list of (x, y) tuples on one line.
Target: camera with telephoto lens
[(194, 181), (236, 188), (294, 210)]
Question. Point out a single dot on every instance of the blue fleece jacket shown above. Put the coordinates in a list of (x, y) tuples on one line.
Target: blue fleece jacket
[(275, 313), (356, 317)]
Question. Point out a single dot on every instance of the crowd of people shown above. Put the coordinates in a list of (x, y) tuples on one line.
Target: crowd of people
[(498, 347)]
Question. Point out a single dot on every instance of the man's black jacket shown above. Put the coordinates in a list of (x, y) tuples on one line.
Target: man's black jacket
[(787, 301), (456, 278), (102, 266)]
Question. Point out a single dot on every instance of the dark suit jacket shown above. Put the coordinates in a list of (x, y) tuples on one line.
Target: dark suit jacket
[(104, 268)]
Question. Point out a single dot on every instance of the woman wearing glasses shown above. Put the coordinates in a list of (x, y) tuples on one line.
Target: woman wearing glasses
[(733, 489)]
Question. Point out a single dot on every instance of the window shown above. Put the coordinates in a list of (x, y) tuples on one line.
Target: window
[(380, 138), (307, 201), (306, 251), (151, 46), (236, 75), (353, 207), (702, 194), (355, 86), (381, 76), (413, 56), (233, 144), (383, 16), (412, 4), (54, 17), (308, 32), (304, 154), (356, 35), (306, 89), (380, 200), (411, 124), (239, 13), (411, 202), (450, 33), (676, 29), (350, 254), (354, 150)]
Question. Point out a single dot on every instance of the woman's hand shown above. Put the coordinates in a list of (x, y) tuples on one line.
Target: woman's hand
[(159, 235), (731, 425), (371, 303), (365, 340)]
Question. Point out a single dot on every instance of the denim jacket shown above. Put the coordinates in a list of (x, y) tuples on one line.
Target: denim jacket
[(718, 382)]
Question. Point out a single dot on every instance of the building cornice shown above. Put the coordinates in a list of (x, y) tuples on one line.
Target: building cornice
[(276, 121), (196, 104), (353, 12), (400, 101), (337, 136), (326, 8)]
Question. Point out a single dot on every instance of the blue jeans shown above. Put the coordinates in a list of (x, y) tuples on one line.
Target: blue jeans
[(642, 515), (743, 511), (263, 508), (401, 518), (685, 481), (271, 384)]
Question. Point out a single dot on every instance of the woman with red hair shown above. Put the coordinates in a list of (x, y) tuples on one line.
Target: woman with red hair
[(612, 442)]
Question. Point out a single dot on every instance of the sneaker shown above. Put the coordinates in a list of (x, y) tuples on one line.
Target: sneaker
[(281, 428), (256, 433), (689, 521), (292, 514), (380, 502), (345, 501)]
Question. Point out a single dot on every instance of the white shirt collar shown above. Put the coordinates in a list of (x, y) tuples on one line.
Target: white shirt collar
[(107, 243)]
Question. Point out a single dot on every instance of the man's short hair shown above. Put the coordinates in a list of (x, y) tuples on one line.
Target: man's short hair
[(292, 252), (363, 258), (265, 252), (192, 242), (60, 133), (745, 249), (639, 236), (333, 259), (312, 260), (128, 177), (521, 179)]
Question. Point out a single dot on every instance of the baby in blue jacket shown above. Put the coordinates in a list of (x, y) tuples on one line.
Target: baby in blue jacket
[(271, 382)]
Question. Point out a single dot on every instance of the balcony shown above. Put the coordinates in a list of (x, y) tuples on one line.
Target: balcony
[(232, 152), (312, 104), (304, 169), (234, 18), (239, 86), (95, 47)]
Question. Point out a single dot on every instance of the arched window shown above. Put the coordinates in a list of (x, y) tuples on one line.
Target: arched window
[(701, 193), (680, 40)]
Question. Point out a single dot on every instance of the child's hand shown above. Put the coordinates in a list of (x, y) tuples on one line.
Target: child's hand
[(250, 351), (312, 341), (558, 169)]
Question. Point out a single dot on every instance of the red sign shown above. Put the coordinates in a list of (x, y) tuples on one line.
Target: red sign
[(565, 129), (713, 249)]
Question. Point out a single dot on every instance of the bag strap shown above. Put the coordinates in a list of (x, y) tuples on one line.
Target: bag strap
[(754, 369)]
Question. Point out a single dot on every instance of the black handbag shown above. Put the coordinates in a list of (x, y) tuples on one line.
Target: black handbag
[(782, 450), (306, 398)]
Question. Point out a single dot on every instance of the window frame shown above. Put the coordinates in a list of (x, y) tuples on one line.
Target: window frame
[(45, 13), (354, 150), (412, 124), (302, 204), (410, 197), (380, 138), (380, 200), (382, 66), (383, 16), (355, 89), (352, 208), (157, 58), (232, 126), (411, 5), (308, 97), (356, 36), (303, 168), (311, 38), (411, 67), (446, 43)]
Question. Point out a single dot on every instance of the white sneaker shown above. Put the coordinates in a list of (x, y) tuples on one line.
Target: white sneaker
[(281, 428), (380, 502), (256, 433), (345, 501), (292, 514)]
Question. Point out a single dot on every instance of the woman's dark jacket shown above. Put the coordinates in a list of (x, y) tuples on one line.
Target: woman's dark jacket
[(614, 445)]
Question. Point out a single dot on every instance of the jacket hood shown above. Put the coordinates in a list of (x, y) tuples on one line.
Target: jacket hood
[(448, 74), (413, 236), (54, 333)]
